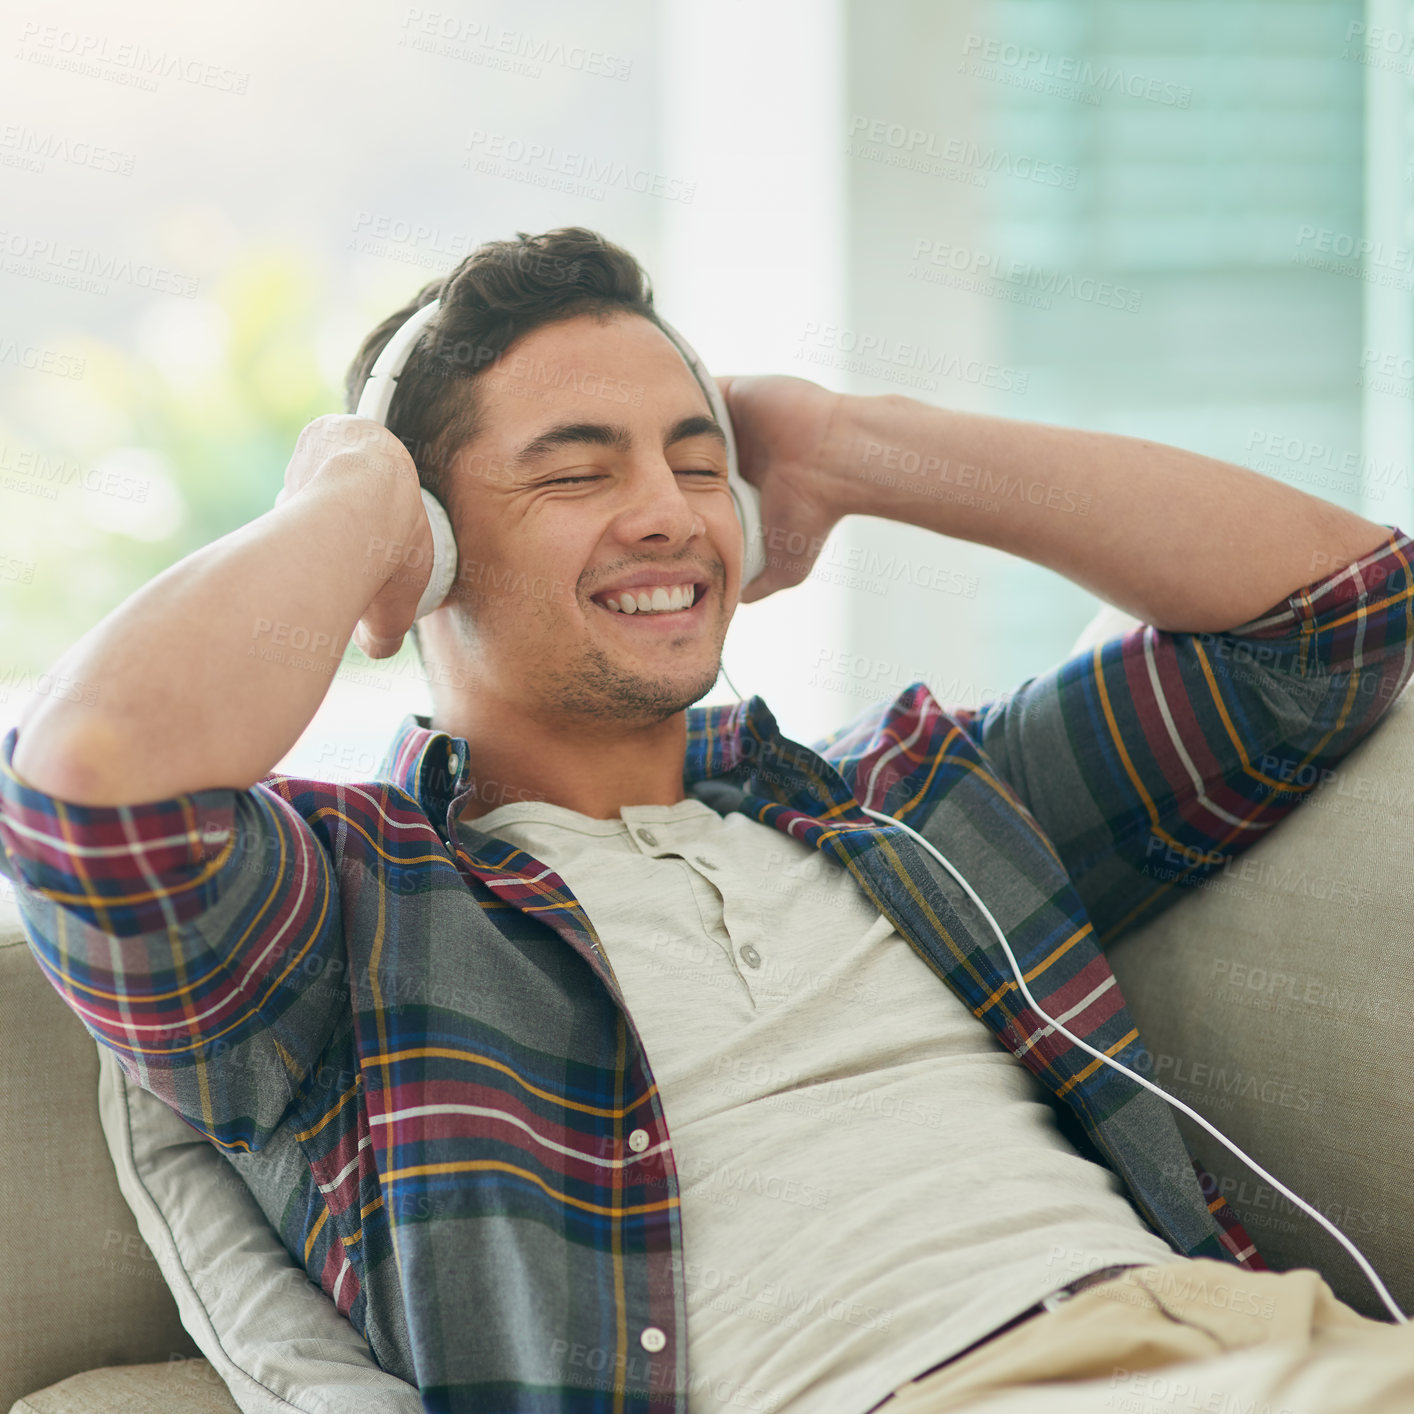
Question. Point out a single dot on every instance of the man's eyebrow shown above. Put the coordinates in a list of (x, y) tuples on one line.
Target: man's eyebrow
[(607, 434), (695, 426)]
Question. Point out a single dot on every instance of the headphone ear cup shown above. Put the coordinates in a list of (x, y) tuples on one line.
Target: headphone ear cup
[(745, 497), (747, 500), (444, 556)]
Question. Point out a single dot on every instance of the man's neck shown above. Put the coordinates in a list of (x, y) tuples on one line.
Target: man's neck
[(587, 769)]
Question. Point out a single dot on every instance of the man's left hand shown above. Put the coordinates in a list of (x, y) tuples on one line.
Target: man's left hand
[(784, 430)]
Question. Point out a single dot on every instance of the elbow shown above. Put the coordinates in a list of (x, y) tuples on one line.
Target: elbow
[(69, 764)]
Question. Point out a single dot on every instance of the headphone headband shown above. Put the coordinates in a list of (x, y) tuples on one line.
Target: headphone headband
[(376, 396)]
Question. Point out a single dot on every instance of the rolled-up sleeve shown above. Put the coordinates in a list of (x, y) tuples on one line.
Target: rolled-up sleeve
[(1155, 757), (198, 937)]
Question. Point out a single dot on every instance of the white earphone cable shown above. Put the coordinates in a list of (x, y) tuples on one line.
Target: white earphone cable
[(1163, 1094)]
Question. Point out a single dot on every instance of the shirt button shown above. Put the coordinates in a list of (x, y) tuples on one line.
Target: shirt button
[(750, 956), (638, 1140), (652, 1339), (648, 837), (454, 763), (705, 863)]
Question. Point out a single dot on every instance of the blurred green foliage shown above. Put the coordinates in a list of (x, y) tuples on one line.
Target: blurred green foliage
[(201, 412)]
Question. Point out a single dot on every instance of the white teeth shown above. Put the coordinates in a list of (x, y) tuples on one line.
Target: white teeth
[(659, 601)]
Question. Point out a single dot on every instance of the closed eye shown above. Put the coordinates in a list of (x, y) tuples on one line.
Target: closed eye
[(686, 471)]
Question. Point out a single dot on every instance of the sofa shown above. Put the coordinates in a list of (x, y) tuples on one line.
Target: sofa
[(1277, 1000)]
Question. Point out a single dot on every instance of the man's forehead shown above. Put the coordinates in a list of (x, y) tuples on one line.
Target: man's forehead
[(545, 395), (617, 376)]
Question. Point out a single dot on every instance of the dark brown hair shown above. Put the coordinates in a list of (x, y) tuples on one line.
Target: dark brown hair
[(500, 292)]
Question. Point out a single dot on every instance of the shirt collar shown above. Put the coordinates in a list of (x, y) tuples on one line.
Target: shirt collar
[(738, 739)]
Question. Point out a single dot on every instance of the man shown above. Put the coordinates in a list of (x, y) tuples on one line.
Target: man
[(416, 1013)]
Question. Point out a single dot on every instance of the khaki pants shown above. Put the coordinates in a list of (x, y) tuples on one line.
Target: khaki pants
[(1181, 1336)]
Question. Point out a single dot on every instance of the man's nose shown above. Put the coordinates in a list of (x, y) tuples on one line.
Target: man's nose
[(660, 509)]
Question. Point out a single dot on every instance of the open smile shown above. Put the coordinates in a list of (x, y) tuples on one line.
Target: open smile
[(645, 618)]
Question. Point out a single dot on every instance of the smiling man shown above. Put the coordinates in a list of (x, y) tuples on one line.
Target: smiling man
[(417, 1012), (582, 682)]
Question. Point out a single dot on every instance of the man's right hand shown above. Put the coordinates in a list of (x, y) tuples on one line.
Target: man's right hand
[(361, 444), (208, 674)]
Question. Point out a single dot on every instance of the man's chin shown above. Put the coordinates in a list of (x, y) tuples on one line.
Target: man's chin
[(655, 696)]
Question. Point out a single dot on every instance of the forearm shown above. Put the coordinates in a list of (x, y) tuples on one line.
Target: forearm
[(1182, 541), (194, 682)]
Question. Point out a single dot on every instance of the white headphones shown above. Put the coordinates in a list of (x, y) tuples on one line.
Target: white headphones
[(377, 396)]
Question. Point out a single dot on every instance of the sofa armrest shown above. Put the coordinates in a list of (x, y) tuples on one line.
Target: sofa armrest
[(173, 1387)]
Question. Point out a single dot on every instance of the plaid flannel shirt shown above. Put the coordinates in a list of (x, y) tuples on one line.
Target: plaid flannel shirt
[(418, 1057)]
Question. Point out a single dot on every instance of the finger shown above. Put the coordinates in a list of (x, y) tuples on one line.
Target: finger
[(725, 385), (383, 647), (370, 645)]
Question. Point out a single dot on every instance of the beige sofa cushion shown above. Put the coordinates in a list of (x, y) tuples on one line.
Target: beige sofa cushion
[(276, 1339), (1277, 1000), (78, 1287), (175, 1387)]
